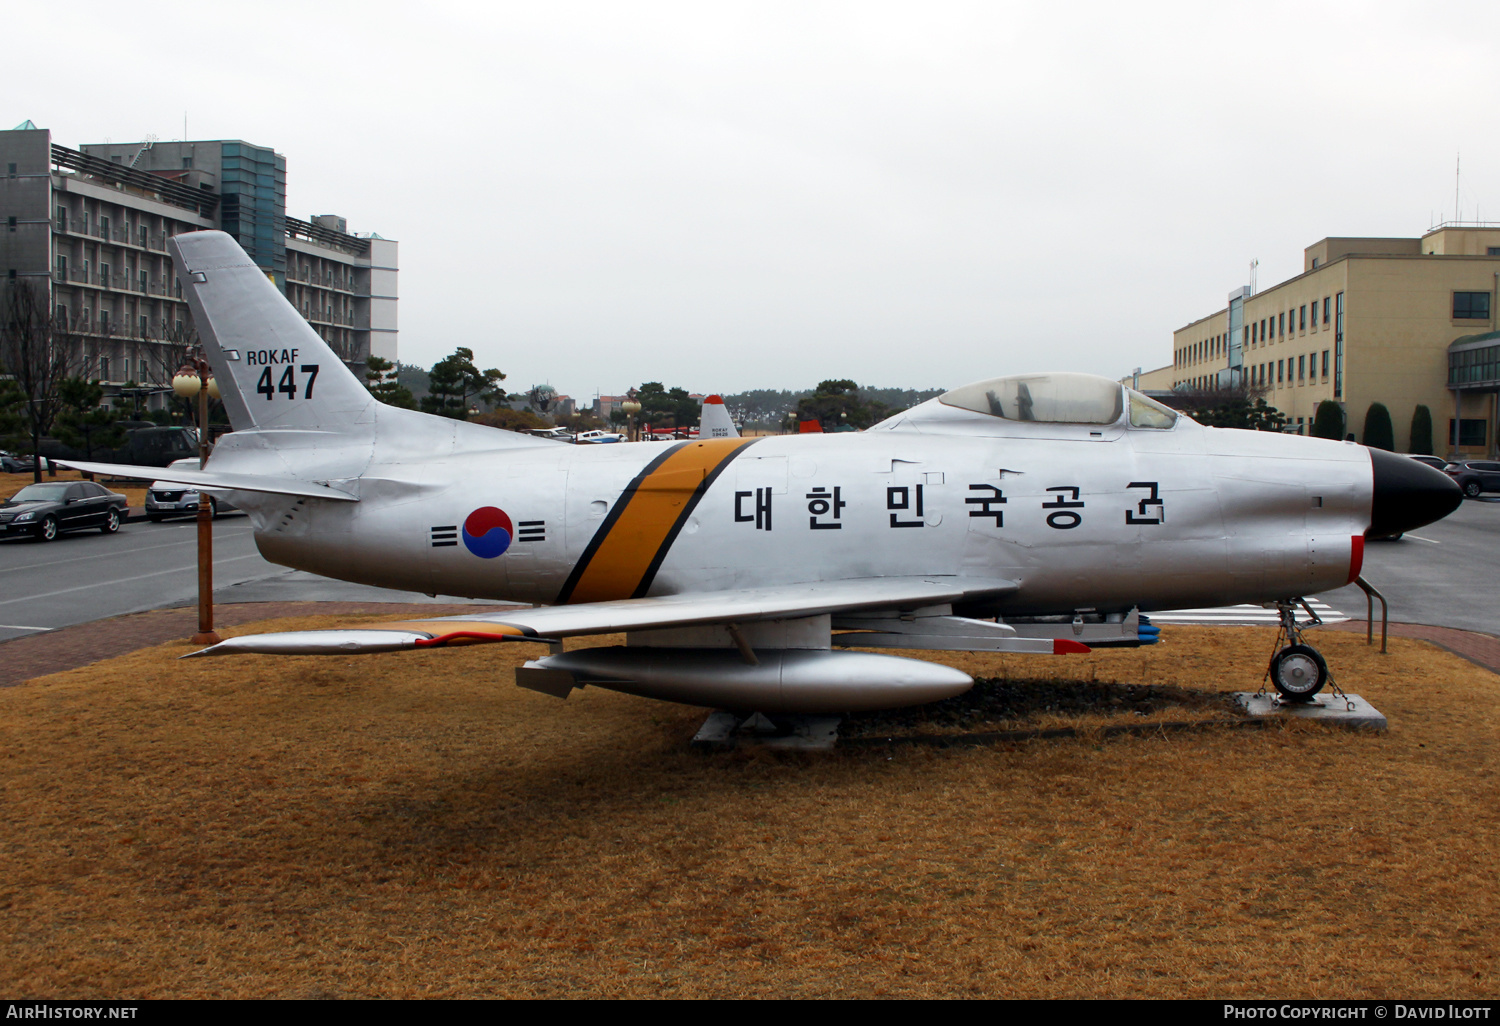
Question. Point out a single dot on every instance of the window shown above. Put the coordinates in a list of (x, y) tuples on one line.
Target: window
[(61, 317), (142, 334), (1491, 251), (10, 169), (1338, 324), (1302, 318), (103, 368), (1262, 330), (1325, 311), (1471, 306), (1325, 365), (1470, 432), (1301, 369), (1280, 371), (1281, 325)]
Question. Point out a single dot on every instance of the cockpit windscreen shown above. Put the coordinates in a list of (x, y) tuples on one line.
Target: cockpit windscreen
[(1060, 398)]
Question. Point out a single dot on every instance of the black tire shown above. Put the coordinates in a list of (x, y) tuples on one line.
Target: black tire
[(47, 530), (155, 518), (1472, 489), (1299, 673), (213, 507), (111, 521)]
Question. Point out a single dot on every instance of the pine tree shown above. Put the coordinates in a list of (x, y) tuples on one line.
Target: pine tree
[(82, 422), (1421, 431), (455, 381), (1379, 434), (1329, 420), (380, 379)]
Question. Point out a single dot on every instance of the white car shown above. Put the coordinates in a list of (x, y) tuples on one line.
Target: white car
[(597, 437), (174, 500)]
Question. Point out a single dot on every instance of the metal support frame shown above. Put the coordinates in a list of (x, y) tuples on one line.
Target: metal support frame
[(1371, 594)]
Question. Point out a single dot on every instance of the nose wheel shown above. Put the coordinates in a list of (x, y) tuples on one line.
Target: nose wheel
[(1297, 670)]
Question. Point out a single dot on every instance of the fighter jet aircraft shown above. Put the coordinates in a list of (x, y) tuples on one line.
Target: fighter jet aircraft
[(1029, 513)]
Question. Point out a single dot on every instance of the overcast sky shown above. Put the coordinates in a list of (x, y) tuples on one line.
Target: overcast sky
[(761, 195)]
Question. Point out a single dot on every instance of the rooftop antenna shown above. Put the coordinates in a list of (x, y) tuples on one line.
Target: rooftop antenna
[(1456, 167), (1254, 269)]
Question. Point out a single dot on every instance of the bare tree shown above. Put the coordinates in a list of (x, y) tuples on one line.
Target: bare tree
[(163, 356), (37, 353)]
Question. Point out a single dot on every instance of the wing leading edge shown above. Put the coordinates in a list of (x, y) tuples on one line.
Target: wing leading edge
[(688, 610)]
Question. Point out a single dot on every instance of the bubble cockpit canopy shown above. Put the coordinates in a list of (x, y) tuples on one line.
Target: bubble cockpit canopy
[(1059, 398)]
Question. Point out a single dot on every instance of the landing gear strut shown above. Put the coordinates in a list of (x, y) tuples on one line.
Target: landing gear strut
[(1297, 670)]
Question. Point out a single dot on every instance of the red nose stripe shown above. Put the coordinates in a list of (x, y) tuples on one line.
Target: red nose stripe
[(1065, 646)]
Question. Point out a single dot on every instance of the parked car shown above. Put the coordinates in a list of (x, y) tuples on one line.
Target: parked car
[(46, 510), (1475, 476), (20, 463), (165, 499), (1435, 462)]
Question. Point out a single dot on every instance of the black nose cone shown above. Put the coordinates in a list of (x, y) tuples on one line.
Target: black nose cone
[(1408, 494)]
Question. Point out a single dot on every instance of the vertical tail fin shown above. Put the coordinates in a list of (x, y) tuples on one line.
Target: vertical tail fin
[(273, 370), (715, 421)]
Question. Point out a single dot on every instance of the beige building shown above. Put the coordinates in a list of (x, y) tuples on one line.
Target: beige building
[(1367, 321)]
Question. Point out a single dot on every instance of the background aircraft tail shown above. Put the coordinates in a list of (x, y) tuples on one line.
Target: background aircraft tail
[(715, 422), (273, 370)]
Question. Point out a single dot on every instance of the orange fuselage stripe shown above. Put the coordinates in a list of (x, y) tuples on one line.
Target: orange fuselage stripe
[(633, 545)]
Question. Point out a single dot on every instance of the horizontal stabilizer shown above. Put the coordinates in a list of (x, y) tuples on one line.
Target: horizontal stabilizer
[(210, 478)]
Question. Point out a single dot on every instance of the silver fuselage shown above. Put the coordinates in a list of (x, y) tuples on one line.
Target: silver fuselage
[(1080, 516)]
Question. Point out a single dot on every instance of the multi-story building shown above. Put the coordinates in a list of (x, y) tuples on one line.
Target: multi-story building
[(90, 226), (1403, 322)]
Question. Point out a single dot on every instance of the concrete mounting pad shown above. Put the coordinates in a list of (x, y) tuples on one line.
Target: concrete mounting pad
[(725, 730), (1350, 711)]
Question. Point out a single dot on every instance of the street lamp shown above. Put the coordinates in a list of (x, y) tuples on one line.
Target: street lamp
[(194, 378), (631, 408)]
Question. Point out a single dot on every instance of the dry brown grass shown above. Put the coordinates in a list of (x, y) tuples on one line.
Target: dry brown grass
[(414, 825), (10, 484)]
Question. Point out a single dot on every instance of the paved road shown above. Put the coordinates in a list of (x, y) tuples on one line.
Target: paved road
[(1443, 574), (87, 575)]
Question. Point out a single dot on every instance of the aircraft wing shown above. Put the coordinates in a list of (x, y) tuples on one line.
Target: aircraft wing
[(687, 610), (209, 478)]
